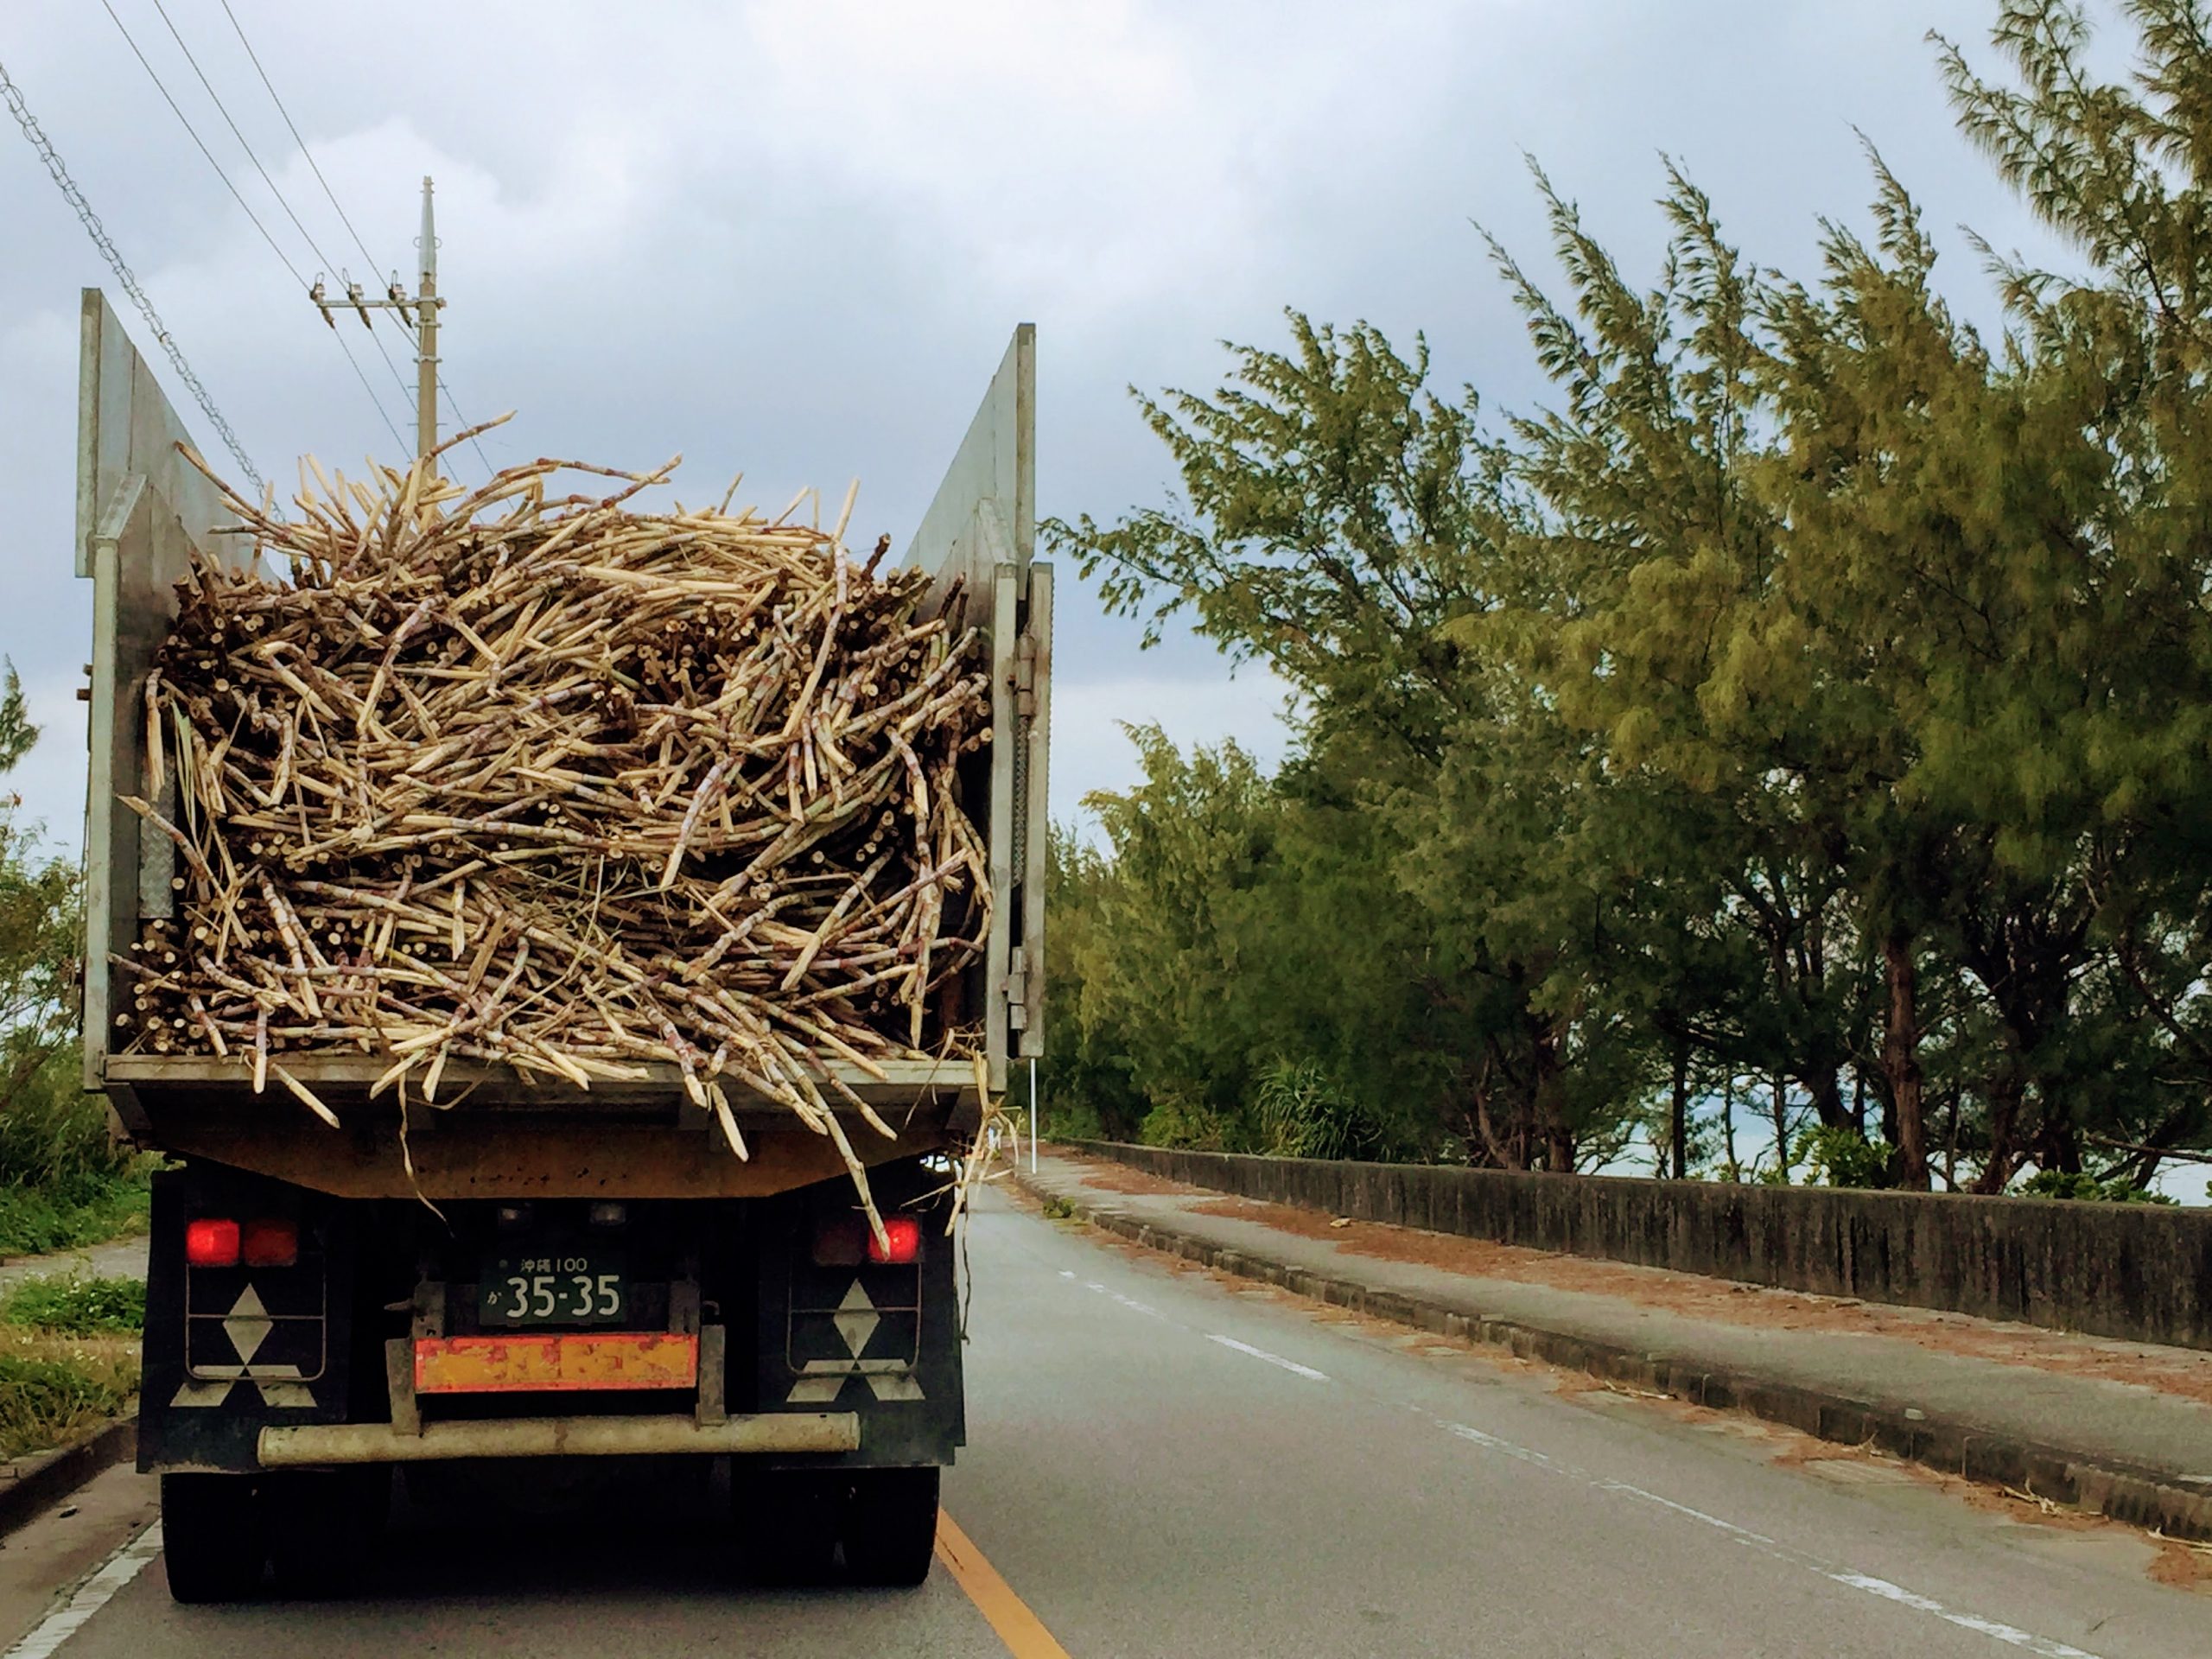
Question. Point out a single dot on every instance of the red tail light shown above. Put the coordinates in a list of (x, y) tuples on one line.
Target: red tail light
[(211, 1244), (271, 1243), (901, 1242)]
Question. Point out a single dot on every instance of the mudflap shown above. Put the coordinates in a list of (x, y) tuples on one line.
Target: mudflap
[(231, 1351), (839, 1331)]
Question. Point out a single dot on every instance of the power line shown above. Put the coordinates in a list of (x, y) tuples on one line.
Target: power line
[(101, 240), (382, 414), (193, 132), (313, 167), (223, 110), (345, 218), (296, 139), (397, 379)]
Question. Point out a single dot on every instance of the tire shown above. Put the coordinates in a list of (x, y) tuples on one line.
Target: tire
[(214, 1537), (324, 1528), (891, 1526), (787, 1524)]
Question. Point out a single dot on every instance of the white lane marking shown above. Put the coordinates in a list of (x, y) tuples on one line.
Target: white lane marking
[(1728, 1527), (2043, 1646), (1129, 1302), (2009, 1634), (93, 1594), (1305, 1371)]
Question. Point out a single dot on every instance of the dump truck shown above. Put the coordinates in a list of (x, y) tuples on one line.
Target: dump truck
[(544, 1271)]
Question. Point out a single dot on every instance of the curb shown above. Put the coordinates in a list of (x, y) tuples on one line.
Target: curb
[(35, 1483), (2142, 1497)]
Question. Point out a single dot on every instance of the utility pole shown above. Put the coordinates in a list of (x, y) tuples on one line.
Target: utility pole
[(426, 338), (424, 304)]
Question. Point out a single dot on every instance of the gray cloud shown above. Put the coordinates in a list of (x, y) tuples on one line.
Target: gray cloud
[(792, 238)]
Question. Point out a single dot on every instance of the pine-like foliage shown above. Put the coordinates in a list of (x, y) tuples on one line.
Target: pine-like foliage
[(1810, 692)]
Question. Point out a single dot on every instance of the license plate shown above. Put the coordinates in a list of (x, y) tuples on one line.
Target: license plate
[(553, 1287)]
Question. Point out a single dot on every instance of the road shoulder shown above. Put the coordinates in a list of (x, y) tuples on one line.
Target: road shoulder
[(2123, 1449), (52, 1551)]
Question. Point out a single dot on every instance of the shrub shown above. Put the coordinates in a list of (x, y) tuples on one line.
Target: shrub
[(78, 1306), (2085, 1188)]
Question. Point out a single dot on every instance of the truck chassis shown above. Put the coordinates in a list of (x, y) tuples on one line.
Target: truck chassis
[(539, 1274)]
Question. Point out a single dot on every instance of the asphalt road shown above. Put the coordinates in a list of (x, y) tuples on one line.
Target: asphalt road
[(1164, 1465)]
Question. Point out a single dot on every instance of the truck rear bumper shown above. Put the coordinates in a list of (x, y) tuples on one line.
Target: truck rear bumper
[(322, 1445)]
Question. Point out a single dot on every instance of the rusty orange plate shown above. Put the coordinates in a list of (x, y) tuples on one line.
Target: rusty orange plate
[(549, 1361)]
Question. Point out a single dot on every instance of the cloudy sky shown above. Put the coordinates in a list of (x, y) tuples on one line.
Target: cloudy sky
[(792, 237)]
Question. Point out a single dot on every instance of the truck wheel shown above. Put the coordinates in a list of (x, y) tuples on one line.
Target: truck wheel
[(214, 1539), (323, 1528), (891, 1528), (786, 1523)]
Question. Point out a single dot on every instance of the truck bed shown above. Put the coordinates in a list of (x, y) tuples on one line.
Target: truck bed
[(493, 1131)]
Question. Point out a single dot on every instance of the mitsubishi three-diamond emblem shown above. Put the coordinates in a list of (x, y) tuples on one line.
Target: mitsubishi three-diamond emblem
[(856, 1318), (823, 1380), (247, 1326)]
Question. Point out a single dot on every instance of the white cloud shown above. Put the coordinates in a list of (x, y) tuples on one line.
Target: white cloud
[(1091, 752)]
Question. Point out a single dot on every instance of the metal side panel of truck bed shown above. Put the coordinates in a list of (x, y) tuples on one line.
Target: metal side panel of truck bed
[(141, 507)]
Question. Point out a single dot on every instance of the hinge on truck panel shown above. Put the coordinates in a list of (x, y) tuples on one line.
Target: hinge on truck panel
[(1017, 990), (1025, 675)]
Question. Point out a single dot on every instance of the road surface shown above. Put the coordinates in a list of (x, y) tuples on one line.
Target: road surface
[(1161, 1464)]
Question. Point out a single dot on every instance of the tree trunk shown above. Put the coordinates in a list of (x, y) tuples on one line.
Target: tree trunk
[(1782, 1129), (1825, 1089), (1502, 1154), (1678, 1126), (2057, 1144), (1550, 1108), (1728, 1126), (1901, 1060), (2007, 1090), (1557, 1135)]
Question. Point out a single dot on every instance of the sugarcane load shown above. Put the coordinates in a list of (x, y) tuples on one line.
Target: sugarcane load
[(541, 779), (571, 951)]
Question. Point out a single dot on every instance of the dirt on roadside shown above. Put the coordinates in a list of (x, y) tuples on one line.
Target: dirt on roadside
[(1120, 1177)]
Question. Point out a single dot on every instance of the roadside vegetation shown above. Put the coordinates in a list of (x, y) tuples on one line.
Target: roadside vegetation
[(94, 1306), (1781, 756), (68, 1359), (68, 1348), (63, 1182)]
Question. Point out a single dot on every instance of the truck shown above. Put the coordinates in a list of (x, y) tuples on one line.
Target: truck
[(543, 1273)]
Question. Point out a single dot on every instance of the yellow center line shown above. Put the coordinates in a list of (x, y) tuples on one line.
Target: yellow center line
[(1023, 1632)]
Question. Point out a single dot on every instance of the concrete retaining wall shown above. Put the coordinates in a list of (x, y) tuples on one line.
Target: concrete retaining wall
[(2139, 1272)]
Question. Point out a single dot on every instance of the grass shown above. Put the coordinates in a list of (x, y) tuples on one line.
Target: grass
[(64, 1182), (77, 1308), (56, 1388), (68, 1214), (1056, 1209), (68, 1359)]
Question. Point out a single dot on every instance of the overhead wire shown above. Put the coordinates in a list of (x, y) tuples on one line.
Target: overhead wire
[(223, 110), (113, 255), (192, 133), (406, 325), (253, 218), (329, 263), (270, 85)]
